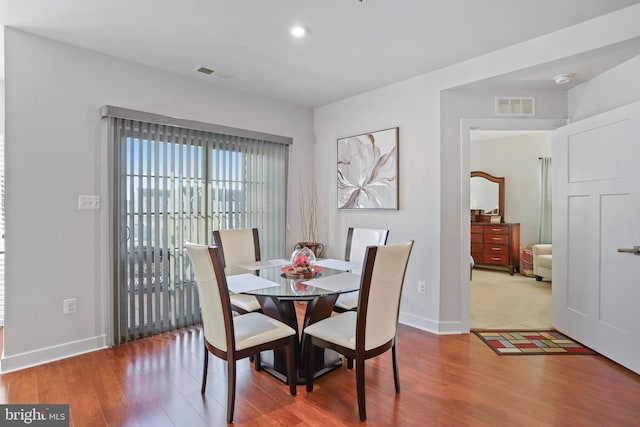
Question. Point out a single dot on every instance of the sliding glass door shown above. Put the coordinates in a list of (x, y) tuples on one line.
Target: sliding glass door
[(173, 185)]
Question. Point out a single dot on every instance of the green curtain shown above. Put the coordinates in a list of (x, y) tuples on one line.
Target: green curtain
[(544, 235)]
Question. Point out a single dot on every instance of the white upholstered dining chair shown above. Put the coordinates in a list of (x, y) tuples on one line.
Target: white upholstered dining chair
[(232, 337), (372, 329), (241, 246), (357, 241)]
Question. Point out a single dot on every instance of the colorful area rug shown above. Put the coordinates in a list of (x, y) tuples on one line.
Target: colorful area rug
[(531, 342)]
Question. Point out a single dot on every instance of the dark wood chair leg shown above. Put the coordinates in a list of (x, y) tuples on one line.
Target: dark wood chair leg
[(256, 362), (394, 359), (310, 364), (362, 410), (231, 389), (349, 363), (205, 369), (292, 375)]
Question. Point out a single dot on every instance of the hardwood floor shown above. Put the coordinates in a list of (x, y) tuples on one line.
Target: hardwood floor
[(452, 380)]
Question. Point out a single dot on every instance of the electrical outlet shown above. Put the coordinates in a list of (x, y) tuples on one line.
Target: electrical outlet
[(422, 287), (69, 306)]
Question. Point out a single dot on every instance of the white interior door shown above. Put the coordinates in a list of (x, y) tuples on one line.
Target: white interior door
[(596, 212)]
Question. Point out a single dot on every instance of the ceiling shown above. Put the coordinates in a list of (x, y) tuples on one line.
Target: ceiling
[(352, 46)]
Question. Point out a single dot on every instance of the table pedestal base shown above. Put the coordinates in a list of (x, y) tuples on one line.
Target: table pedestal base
[(318, 308), (332, 361)]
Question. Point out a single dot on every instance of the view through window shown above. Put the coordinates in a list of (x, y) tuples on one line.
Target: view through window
[(176, 185)]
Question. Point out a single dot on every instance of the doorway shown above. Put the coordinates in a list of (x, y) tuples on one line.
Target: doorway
[(500, 300), (485, 156)]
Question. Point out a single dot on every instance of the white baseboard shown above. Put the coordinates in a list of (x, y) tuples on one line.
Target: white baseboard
[(50, 354), (74, 348), (440, 328)]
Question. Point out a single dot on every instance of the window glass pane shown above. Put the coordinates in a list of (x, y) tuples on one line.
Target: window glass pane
[(180, 185)]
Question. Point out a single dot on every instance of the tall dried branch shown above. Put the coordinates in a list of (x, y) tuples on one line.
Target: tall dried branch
[(308, 208)]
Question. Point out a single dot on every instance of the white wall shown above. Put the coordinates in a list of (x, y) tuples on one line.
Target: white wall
[(430, 163), (1, 107), (617, 87), (418, 217), (55, 152), (516, 159)]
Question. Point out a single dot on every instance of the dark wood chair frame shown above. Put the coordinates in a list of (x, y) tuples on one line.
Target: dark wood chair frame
[(231, 355), (359, 354), (347, 257), (217, 240)]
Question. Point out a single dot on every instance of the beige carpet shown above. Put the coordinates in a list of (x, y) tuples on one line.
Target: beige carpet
[(501, 301)]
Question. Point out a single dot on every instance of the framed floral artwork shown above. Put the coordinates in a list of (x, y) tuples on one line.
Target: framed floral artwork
[(368, 170)]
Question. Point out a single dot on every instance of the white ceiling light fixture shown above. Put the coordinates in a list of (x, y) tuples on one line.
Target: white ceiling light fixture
[(562, 79), (298, 31)]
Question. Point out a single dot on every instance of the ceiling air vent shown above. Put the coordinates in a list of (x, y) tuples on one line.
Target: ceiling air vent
[(515, 106), (204, 70), (210, 72)]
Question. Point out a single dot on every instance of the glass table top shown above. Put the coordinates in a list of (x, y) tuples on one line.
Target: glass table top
[(334, 282)]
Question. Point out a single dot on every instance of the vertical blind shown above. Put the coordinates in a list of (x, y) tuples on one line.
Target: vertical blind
[(1, 230), (173, 184)]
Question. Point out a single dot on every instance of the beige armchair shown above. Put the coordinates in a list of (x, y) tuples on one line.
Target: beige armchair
[(542, 262)]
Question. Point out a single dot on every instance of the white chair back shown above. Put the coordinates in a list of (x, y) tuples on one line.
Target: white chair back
[(209, 293), (380, 301), (238, 247), (358, 239)]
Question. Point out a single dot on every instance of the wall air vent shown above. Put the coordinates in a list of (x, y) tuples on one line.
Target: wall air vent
[(515, 106)]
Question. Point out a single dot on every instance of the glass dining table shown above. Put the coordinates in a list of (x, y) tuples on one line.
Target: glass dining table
[(277, 299)]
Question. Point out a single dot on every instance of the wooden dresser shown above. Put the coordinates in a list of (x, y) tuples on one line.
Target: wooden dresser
[(496, 246)]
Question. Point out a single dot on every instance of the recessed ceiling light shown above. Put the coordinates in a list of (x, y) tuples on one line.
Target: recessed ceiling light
[(298, 31)]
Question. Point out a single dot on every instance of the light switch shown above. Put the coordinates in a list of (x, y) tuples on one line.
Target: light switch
[(88, 202)]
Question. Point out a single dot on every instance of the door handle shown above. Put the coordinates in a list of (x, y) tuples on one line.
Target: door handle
[(635, 250)]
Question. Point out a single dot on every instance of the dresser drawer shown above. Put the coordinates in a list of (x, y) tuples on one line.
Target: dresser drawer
[(495, 259), (491, 250), (496, 229), (477, 253), (477, 238), (496, 239), (478, 258), (475, 228)]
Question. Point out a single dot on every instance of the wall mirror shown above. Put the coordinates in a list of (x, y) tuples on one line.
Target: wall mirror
[(487, 194)]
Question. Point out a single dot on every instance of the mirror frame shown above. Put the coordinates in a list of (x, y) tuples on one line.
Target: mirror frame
[(500, 182)]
